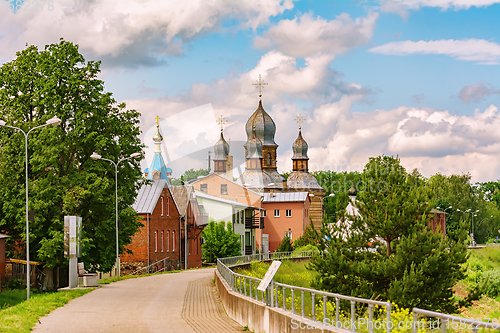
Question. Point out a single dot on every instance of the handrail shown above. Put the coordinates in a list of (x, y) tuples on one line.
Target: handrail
[(238, 283), (149, 266), (445, 319)]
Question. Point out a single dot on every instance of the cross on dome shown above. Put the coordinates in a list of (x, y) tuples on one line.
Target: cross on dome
[(300, 119), (157, 120), (260, 84), (221, 121)]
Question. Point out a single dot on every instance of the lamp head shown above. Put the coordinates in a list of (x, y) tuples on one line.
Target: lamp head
[(95, 156), (468, 210), (54, 121), (331, 194), (2, 123)]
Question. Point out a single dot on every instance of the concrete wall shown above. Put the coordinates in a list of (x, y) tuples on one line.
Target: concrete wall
[(259, 317)]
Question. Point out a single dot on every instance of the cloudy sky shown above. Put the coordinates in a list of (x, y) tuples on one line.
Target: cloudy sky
[(415, 78)]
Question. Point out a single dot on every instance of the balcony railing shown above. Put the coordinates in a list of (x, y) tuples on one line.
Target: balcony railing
[(253, 222)]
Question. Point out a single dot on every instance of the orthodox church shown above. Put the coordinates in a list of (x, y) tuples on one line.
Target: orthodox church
[(261, 172)]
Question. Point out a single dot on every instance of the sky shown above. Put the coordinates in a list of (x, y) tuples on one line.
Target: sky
[(417, 79)]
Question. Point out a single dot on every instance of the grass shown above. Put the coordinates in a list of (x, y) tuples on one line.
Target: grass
[(23, 315), (290, 272)]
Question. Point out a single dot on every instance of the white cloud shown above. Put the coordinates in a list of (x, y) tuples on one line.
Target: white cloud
[(401, 7), (133, 31), (477, 92), (306, 36), (477, 50)]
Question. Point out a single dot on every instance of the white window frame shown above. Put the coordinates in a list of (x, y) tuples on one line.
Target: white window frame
[(264, 213), (276, 213), (156, 241), (173, 240), (168, 206), (287, 213), (162, 241), (161, 206), (289, 234), (168, 240)]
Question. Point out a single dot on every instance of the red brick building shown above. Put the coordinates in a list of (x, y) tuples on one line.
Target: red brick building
[(166, 212), (438, 222)]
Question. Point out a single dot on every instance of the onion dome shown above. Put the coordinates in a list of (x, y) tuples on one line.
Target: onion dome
[(253, 146), (299, 148), (157, 137), (221, 148), (352, 192), (265, 128)]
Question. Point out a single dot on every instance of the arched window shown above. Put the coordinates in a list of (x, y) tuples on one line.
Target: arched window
[(162, 206), (156, 241), (156, 174), (173, 241), (168, 241)]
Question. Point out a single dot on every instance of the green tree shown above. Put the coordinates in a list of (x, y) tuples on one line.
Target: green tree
[(220, 241), (190, 175), (57, 81), (285, 245), (309, 237), (388, 252)]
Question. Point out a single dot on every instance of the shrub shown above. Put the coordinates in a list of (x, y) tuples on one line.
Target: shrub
[(489, 283)]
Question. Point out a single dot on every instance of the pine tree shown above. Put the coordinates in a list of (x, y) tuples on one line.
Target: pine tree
[(388, 252)]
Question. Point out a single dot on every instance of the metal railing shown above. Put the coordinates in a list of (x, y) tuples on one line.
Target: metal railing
[(247, 286), (453, 322), (147, 269)]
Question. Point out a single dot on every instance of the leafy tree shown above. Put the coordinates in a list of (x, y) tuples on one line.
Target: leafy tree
[(220, 241), (190, 175), (285, 245), (388, 252), (57, 81)]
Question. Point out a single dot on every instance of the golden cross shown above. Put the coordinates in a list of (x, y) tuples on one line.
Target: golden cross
[(157, 120), (300, 119), (260, 84), (221, 121)]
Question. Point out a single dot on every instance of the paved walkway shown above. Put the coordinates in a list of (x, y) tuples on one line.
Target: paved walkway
[(175, 302)]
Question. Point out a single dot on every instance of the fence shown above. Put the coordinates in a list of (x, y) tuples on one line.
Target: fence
[(289, 295)]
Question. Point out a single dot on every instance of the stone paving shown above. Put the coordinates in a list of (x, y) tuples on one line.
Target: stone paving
[(203, 310), (175, 302)]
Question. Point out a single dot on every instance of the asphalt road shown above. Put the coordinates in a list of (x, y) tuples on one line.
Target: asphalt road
[(149, 304)]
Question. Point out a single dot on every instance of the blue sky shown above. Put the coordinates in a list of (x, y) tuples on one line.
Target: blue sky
[(416, 78)]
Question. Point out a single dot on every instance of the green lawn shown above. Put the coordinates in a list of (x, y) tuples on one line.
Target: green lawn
[(19, 315)]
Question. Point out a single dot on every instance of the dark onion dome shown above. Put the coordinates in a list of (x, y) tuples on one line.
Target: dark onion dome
[(299, 148), (253, 146), (221, 149), (264, 126), (352, 192)]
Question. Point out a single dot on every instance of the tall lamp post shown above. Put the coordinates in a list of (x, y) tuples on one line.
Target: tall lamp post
[(473, 214), (96, 156), (52, 121)]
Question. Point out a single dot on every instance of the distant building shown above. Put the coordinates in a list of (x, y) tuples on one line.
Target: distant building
[(2, 256), (287, 214), (438, 222)]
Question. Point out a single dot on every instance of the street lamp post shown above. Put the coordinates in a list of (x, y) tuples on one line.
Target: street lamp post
[(473, 214), (52, 121), (96, 156)]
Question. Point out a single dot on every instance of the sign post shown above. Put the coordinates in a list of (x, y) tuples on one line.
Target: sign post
[(267, 280), (72, 228)]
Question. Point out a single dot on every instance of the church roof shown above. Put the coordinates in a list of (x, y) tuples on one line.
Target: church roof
[(253, 146), (265, 128), (302, 179), (221, 148), (158, 168), (299, 148), (148, 196)]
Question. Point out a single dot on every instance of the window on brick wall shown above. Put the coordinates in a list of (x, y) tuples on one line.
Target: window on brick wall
[(276, 213), (288, 213), (156, 241), (264, 213), (204, 188), (161, 206), (173, 241), (168, 240), (196, 246), (162, 241), (168, 206)]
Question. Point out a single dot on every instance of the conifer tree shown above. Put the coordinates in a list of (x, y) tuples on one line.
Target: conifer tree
[(388, 252)]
